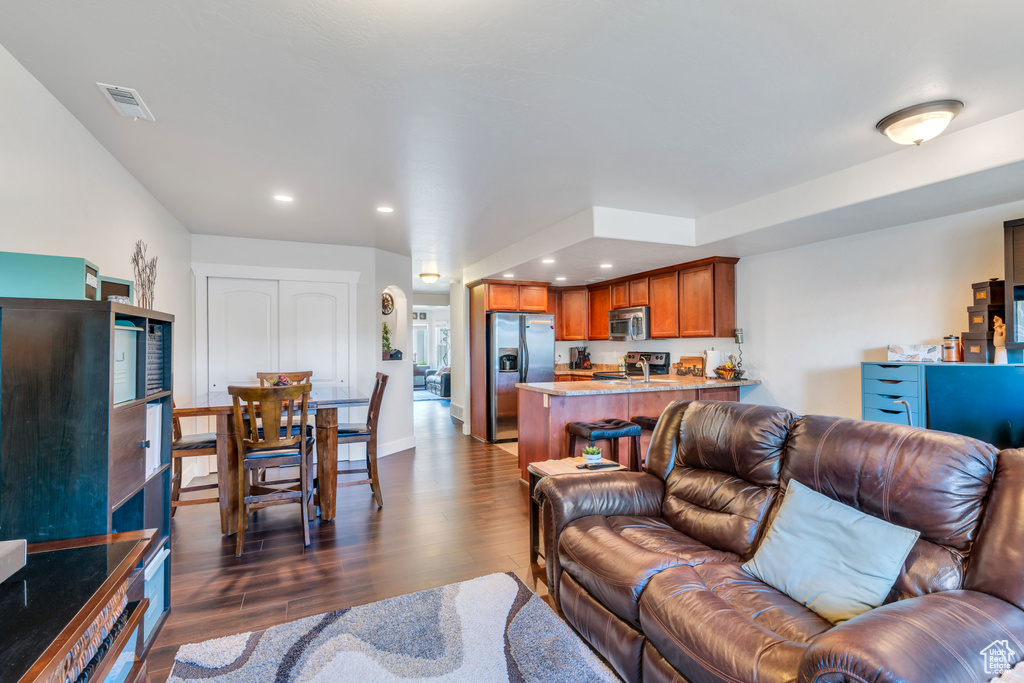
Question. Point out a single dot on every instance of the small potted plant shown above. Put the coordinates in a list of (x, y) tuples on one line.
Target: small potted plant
[(591, 455), (385, 342)]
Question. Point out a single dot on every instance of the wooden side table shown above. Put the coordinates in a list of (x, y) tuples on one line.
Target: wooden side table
[(550, 468)]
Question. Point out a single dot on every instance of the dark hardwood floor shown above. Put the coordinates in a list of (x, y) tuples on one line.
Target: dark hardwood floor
[(454, 509)]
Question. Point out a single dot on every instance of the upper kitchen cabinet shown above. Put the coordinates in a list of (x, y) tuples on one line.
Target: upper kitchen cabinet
[(571, 321), (533, 298), (502, 296), (664, 302), (707, 299), (639, 294), (619, 293), (528, 297), (598, 306)]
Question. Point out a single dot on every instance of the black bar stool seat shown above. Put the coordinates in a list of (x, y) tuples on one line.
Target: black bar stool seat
[(646, 423), (609, 429)]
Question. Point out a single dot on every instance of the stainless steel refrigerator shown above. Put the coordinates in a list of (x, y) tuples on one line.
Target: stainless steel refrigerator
[(520, 348)]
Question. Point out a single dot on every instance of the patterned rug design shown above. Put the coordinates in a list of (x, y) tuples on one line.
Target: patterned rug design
[(489, 629)]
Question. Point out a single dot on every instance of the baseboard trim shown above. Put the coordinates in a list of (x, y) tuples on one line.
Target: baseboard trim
[(397, 446)]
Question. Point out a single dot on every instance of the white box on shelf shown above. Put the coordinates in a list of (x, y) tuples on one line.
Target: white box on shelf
[(154, 425), (12, 557)]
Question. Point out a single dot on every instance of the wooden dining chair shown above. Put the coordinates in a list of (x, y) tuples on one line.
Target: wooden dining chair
[(366, 433), (188, 446), (297, 377), (261, 449)]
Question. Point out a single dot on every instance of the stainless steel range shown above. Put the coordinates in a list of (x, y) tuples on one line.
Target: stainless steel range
[(657, 361)]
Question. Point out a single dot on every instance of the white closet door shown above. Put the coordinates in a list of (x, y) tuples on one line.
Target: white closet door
[(243, 328), (314, 329)]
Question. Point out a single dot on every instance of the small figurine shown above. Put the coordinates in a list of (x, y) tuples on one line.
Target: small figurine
[(999, 340)]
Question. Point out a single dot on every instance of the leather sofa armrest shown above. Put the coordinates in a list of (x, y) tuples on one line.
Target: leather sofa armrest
[(568, 497), (950, 636)]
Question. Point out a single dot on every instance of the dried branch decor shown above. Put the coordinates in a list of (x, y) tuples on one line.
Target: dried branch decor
[(145, 276)]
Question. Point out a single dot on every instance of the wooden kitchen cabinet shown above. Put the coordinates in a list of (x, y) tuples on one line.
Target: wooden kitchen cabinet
[(598, 306), (707, 299), (502, 296), (639, 294), (664, 303), (527, 297), (619, 295), (571, 323), (533, 298)]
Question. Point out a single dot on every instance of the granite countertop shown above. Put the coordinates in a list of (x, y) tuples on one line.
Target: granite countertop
[(665, 383)]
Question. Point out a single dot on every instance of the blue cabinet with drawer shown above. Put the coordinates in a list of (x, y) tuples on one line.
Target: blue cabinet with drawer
[(884, 385)]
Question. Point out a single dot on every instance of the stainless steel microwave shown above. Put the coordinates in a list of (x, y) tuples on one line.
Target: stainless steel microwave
[(629, 324)]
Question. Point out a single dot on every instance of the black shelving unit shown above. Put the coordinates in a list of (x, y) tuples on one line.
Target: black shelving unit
[(72, 462)]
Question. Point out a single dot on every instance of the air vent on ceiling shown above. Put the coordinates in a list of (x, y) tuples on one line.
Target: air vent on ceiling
[(126, 101)]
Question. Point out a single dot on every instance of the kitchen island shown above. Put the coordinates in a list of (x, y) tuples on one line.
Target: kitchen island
[(545, 408)]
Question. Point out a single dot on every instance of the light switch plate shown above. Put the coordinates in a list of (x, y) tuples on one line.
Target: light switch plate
[(12, 557)]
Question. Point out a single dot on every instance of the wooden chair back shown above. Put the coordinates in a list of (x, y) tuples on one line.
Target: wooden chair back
[(272, 404), (175, 423), (298, 377), (376, 398)]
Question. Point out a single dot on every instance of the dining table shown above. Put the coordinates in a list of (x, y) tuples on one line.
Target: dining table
[(324, 401)]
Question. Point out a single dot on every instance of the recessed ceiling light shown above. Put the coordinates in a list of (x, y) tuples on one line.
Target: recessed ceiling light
[(385, 209), (919, 123), (559, 278), (548, 260), (284, 198), (509, 275), (430, 278), (606, 265)]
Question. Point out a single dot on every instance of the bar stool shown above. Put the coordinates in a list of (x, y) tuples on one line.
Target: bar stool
[(609, 429), (647, 424)]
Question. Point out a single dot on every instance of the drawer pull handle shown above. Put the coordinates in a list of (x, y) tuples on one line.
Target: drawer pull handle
[(890, 367), (890, 412), (144, 444), (891, 381)]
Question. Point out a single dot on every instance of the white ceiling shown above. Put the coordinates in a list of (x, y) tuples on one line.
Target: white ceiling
[(483, 122)]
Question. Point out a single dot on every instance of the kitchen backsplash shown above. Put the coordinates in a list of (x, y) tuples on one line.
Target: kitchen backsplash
[(611, 352)]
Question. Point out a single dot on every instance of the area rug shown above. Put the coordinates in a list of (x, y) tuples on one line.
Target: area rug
[(424, 395), (488, 629)]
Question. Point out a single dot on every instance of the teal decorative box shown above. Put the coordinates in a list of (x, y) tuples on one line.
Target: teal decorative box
[(35, 276)]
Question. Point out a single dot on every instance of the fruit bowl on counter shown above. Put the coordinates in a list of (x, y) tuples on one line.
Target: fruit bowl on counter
[(728, 372)]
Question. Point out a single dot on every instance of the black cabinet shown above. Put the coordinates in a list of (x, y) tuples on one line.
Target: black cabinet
[(85, 426)]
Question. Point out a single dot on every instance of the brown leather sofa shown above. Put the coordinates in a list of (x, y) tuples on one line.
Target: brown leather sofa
[(647, 566)]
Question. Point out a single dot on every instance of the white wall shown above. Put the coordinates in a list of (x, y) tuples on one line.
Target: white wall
[(62, 193), (459, 309), (378, 269), (396, 431), (812, 314)]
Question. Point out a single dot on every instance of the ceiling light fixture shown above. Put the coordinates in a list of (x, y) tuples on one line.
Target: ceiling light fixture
[(509, 275), (430, 278), (548, 260), (559, 278), (283, 198), (385, 209), (919, 123), (606, 265)]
